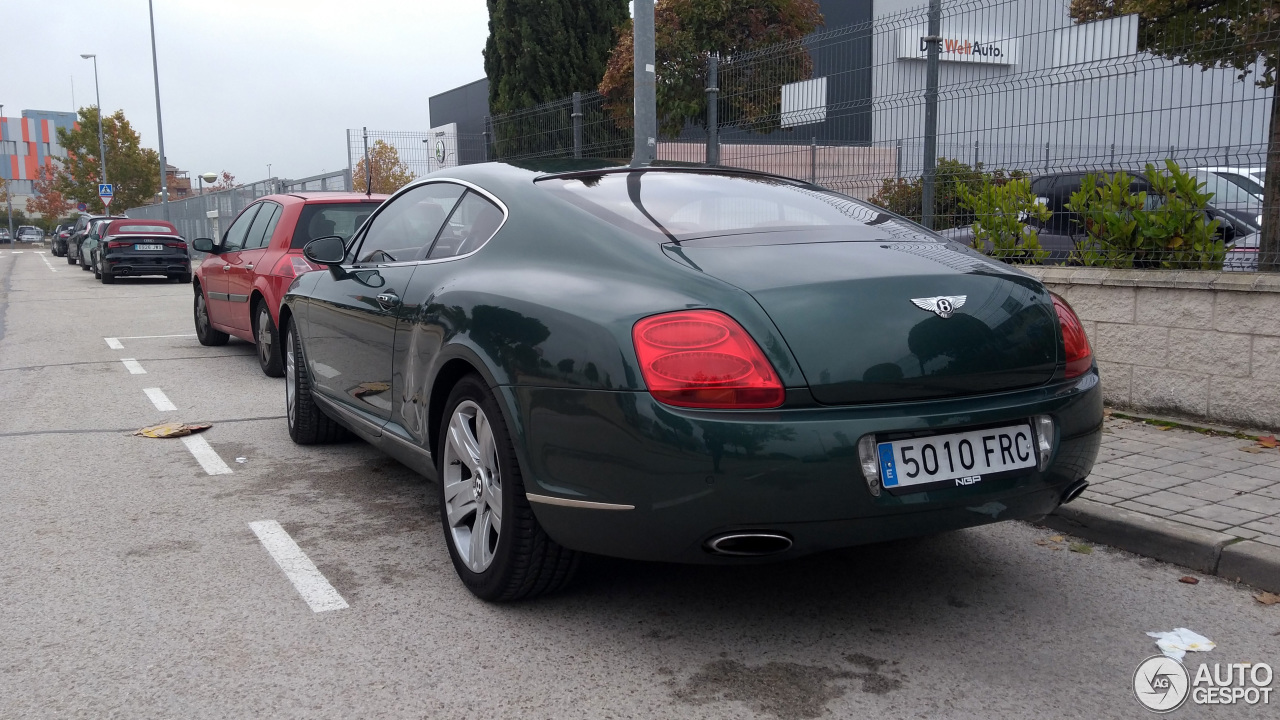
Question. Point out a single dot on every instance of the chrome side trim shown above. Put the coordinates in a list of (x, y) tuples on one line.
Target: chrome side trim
[(238, 298), (565, 502), (218, 296)]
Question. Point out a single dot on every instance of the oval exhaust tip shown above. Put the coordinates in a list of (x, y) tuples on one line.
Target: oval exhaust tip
[(1074, 491), (749, 544)]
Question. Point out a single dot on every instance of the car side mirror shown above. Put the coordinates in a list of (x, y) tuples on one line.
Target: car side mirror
[(204, 245), (328, 250)]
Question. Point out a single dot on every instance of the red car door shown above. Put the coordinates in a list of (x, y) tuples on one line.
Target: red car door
[(217, 269), (242, 266)]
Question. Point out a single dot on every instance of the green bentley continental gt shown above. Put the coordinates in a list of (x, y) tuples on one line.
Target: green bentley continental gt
[(684, 364)]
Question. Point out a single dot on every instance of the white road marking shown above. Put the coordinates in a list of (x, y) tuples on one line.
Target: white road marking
[(114, 343), (159, 399), (305, 576), (18, 252), (39, 252), (205, 455), (134, 367), (148, 337), (47, 263)]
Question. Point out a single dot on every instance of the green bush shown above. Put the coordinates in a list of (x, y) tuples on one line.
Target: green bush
[(1000, 212), (905, 197), (1166, 229)]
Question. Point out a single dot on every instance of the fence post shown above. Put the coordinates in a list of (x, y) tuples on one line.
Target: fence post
[(931, 114), (487, 125), (813, 160), (368, 168), (351, 171), (1046, 157), (713, 109), (975, 154), (1226, 155), (899, 158), (1113, 155), (577, 125)]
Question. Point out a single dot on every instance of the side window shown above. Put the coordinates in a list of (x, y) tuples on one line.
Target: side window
[(233, 239), (404, 228), (471, 225), (263, 225)]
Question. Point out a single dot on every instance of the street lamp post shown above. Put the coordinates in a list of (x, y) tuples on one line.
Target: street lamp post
[(102, 147), (155, 72)]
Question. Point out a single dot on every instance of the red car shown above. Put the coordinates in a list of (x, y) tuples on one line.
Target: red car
[(239, 285)]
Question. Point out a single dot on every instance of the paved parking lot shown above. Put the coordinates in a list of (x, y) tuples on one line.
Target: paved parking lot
[(133, 584)]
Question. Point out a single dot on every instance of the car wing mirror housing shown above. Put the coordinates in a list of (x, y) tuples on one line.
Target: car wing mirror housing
[(204, 245), (329, 250)]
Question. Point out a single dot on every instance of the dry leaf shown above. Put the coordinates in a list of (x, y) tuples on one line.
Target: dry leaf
[(1056, 538), (1252, 449), (370, 388), (1189, 580), (172, 430), (1267, 598), (1267, 441), (1081, 548), (1166, 428)]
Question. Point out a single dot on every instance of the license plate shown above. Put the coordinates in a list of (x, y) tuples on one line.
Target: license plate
[(148, 247), (957, 459)]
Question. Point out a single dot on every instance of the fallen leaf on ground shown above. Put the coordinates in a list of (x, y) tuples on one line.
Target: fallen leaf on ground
[(1252, 449), (1189, 580), (370, 388), (1267, 441), (1267, 598), (1166, 428), (1081, 548), (172, 430), (1056, 538)]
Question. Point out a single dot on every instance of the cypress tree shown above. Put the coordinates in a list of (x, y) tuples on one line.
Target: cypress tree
[(543, 50)]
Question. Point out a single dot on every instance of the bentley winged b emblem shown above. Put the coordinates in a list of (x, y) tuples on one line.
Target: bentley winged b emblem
[(943, 305)]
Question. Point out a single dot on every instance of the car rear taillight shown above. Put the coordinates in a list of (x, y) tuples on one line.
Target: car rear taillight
[(117, 244), (1076, 343), (704, 359), (292, 266)]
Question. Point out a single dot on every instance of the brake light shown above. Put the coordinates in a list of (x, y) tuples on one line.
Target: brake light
[(292, 266), (704, 359), (117, 244), (1074, 340)]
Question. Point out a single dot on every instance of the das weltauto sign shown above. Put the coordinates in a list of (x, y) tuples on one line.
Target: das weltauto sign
[(958, 45)]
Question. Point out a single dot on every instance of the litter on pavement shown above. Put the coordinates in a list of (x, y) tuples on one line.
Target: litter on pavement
[(172, 430), (1176, 644)]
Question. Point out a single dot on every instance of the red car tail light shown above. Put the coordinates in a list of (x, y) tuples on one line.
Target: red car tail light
[(114, 244), (292, 266), (704, 359), (1076, 343)]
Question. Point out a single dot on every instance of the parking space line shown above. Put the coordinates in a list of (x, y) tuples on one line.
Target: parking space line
[(205, 455), (305, 576), (134, 367), (114, 343), (47, 263), (159, 399)]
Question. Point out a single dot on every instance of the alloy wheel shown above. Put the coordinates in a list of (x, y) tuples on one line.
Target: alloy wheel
[(202, 312), (264, 335), (472, 485)]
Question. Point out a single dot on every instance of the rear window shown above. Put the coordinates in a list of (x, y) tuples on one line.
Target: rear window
[(686, 206), (324, 219)]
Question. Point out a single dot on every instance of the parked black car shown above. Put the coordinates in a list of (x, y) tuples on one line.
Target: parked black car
[(82, 229), (59, 239)]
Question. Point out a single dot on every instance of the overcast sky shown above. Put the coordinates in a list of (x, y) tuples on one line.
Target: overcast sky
[(244, 83)]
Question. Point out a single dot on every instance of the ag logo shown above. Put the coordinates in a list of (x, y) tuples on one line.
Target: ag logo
[(1161, 684), (440, 154)]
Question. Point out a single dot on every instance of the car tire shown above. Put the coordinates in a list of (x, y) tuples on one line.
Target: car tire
[(205, 331), (71, 260), (308, 425), (270, 358), (185, 278), (518, 560), (108, 277), (97, 268)]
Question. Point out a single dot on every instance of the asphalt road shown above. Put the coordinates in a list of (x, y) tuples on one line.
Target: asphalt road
[(131, 584)]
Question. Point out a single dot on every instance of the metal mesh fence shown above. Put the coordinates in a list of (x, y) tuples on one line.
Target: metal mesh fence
[(1036, 112), (397, 157)]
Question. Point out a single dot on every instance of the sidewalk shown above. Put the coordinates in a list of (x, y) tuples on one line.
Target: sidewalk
[(1211, 503)]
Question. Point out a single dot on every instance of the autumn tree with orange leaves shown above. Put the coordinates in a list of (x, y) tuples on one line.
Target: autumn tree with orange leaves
[(49, 201)]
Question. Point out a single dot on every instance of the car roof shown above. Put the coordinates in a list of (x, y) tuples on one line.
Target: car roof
[(317, 196)]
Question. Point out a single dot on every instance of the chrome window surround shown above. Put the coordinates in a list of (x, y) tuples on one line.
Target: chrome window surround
[(359, 236)]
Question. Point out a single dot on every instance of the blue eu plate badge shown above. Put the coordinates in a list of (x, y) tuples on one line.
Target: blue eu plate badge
[(888, 472)]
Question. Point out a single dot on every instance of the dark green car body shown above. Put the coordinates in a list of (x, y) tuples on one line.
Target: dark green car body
[(545, 311)]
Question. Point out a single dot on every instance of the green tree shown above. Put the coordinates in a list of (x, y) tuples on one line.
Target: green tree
[(131, 168), (389, 173), (542, 50), (688, 32), (1236, 34)]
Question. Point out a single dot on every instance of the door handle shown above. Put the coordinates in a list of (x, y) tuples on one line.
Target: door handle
[(388, 300), (248, 267), (226, 268)]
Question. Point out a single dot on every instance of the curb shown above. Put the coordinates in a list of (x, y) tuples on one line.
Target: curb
[(1206, 551)]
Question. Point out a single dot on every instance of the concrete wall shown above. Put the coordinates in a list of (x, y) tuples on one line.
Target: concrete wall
[(1201, 345)]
